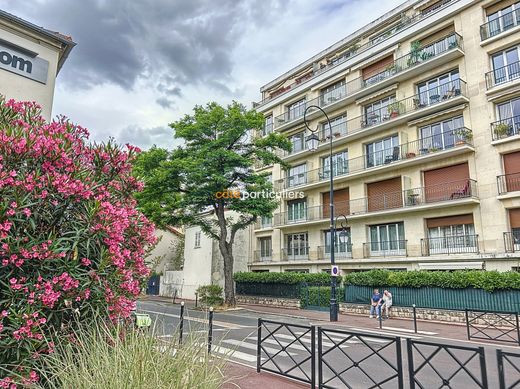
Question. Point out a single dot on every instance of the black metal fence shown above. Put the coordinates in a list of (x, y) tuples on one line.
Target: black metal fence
[(493, 326), (434, 365), (508, 370)]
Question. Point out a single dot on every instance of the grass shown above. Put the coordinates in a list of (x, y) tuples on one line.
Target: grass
[(105, 357)]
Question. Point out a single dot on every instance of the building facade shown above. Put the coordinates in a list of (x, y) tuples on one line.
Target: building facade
[(425, 118), (30, 59)]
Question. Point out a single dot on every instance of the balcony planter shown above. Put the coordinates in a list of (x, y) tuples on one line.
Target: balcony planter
[(410, 155), (337, 134), (502, 130), (395, 109), (464, 136)]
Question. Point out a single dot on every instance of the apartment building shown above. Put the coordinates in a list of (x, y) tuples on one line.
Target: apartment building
[(424, 107)]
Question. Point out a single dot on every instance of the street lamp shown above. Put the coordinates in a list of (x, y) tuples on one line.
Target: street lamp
[(312, 144)]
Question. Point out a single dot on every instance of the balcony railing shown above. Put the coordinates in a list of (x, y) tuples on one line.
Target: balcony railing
[(508, 183), (341, 251), (457, 244), (503, 75), (295, 253), (298, 216), (505, 128), (391, 248), (512, 242), (263, 255), (354, 50), (499, 25), (263, 223)]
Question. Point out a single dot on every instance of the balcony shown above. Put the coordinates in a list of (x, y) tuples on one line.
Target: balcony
[(457, 244), (512, 242), (298, 216), (508, 183), (497, 26), (391, 248), (354, 50), (503, 75), (505, 128), (263, 223), (263, 255), (341, 251), (298, 253), (410, 152)]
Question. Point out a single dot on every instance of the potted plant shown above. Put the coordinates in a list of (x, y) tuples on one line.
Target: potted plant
[(394, 109), (463, 136), (411, 197), (415, 51), (502, 130), (410, 155)]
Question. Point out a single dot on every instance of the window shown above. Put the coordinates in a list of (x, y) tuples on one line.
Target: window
[(505, 65), (509, 113), (387, 239), (265, 248), (296, 270), (438, 89), (297, 245), (260, 271), (298, 142), (342, 242), (377, 111), (197, 239), (338, 125), (333, 93), (339, 165), (503, 19), (297, 175), (452, 238), (440, 135), (295, 110), (296, 210), (268, 125), (266, 221), (382, 151)]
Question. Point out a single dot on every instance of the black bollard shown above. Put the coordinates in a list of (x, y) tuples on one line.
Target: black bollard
[(196, 299), (181, 324), (414, 318), (380, 320), (210, 329)]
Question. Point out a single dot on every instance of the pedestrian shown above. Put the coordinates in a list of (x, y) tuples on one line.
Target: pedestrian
[(375, 302), (387, 304)]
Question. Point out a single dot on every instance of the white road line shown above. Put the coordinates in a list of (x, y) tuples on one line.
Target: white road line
[(352, 340), (290, 337), (284, 344), (229, 353), (243, 344), (196, 319), (383, 332), (408, 330)]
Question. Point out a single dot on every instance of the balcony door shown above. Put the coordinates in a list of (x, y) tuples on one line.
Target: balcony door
[(447, 183), (514, 223), (512, 171), (506, 65), (266, 248), (440, 135), (339, 165), (385, 194), (296, 210), (342, 243), (509, 113), (297, 175), (439, 88), (452, 234), (378, 111), (387, 239), (338, 125), (295, 110), (382, 151), (341, 202), (297, 245)]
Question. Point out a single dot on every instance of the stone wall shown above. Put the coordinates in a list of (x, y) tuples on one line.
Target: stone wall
[(269, 301)]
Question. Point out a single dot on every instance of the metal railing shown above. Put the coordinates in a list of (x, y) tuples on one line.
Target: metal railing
[(508, 183), (493, 326), (354, 50), (299, 216), (295, 253), (259, 224), (505, 128), (263, 255), (457, 244), (511, 242), (341, 251), (500, 24), (503, 74), (508, 369), (450, 366), (406, 151), (391, 248)]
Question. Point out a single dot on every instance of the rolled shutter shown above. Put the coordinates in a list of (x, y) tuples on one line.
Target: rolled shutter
[(449, 220), (514, 217), (385, 194), (341, 202), (377, 67), (447, 183), (512, 171)]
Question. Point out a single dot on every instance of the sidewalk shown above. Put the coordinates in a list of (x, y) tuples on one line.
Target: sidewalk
[(244, 377), (455, 331)]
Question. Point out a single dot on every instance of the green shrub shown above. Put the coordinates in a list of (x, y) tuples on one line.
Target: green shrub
[(487, 280), (284, 278), (210, 295), (319, 296)]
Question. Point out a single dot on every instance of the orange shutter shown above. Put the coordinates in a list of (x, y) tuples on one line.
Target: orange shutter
[(385, 194), (445, 183), (341, 202), (449, 220), (377, 67), (512, 171), (514, 217)]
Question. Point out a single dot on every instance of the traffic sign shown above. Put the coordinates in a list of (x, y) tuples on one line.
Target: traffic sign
[(334, 271)]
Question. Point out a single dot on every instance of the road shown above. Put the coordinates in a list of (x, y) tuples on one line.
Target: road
[(363, 358)]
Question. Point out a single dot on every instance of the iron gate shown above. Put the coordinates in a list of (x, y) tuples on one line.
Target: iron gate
[(508, 370), (339, 368), (495, 326), (434, 365)]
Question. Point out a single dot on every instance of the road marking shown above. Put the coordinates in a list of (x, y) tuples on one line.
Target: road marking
[(240, 343), (351, 340), (229, 353), (408, 330), (284, 344), (382, 332), (325, 343), (198, 320)]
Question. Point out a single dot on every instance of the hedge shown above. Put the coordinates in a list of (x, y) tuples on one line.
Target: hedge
[(487, 280), (319, 296), (284, 278)]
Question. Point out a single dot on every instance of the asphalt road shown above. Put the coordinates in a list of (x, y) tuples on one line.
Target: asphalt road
[(363, 358)]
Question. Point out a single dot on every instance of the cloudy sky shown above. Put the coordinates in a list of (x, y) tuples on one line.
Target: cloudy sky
[(141, 64)]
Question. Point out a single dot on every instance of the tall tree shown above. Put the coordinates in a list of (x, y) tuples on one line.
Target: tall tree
[(217, 158)]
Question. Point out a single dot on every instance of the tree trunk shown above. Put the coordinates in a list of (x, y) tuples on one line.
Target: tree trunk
[(226, 250)]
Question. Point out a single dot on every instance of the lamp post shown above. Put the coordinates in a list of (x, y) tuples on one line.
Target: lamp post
[(312, 144)]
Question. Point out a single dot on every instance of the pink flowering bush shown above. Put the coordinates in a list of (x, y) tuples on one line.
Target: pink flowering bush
[(72, 243)]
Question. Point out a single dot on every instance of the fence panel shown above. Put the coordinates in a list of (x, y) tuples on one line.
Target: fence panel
[(349, 359), (435, 365), (493, 326), (287, 349), (508, 370)]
